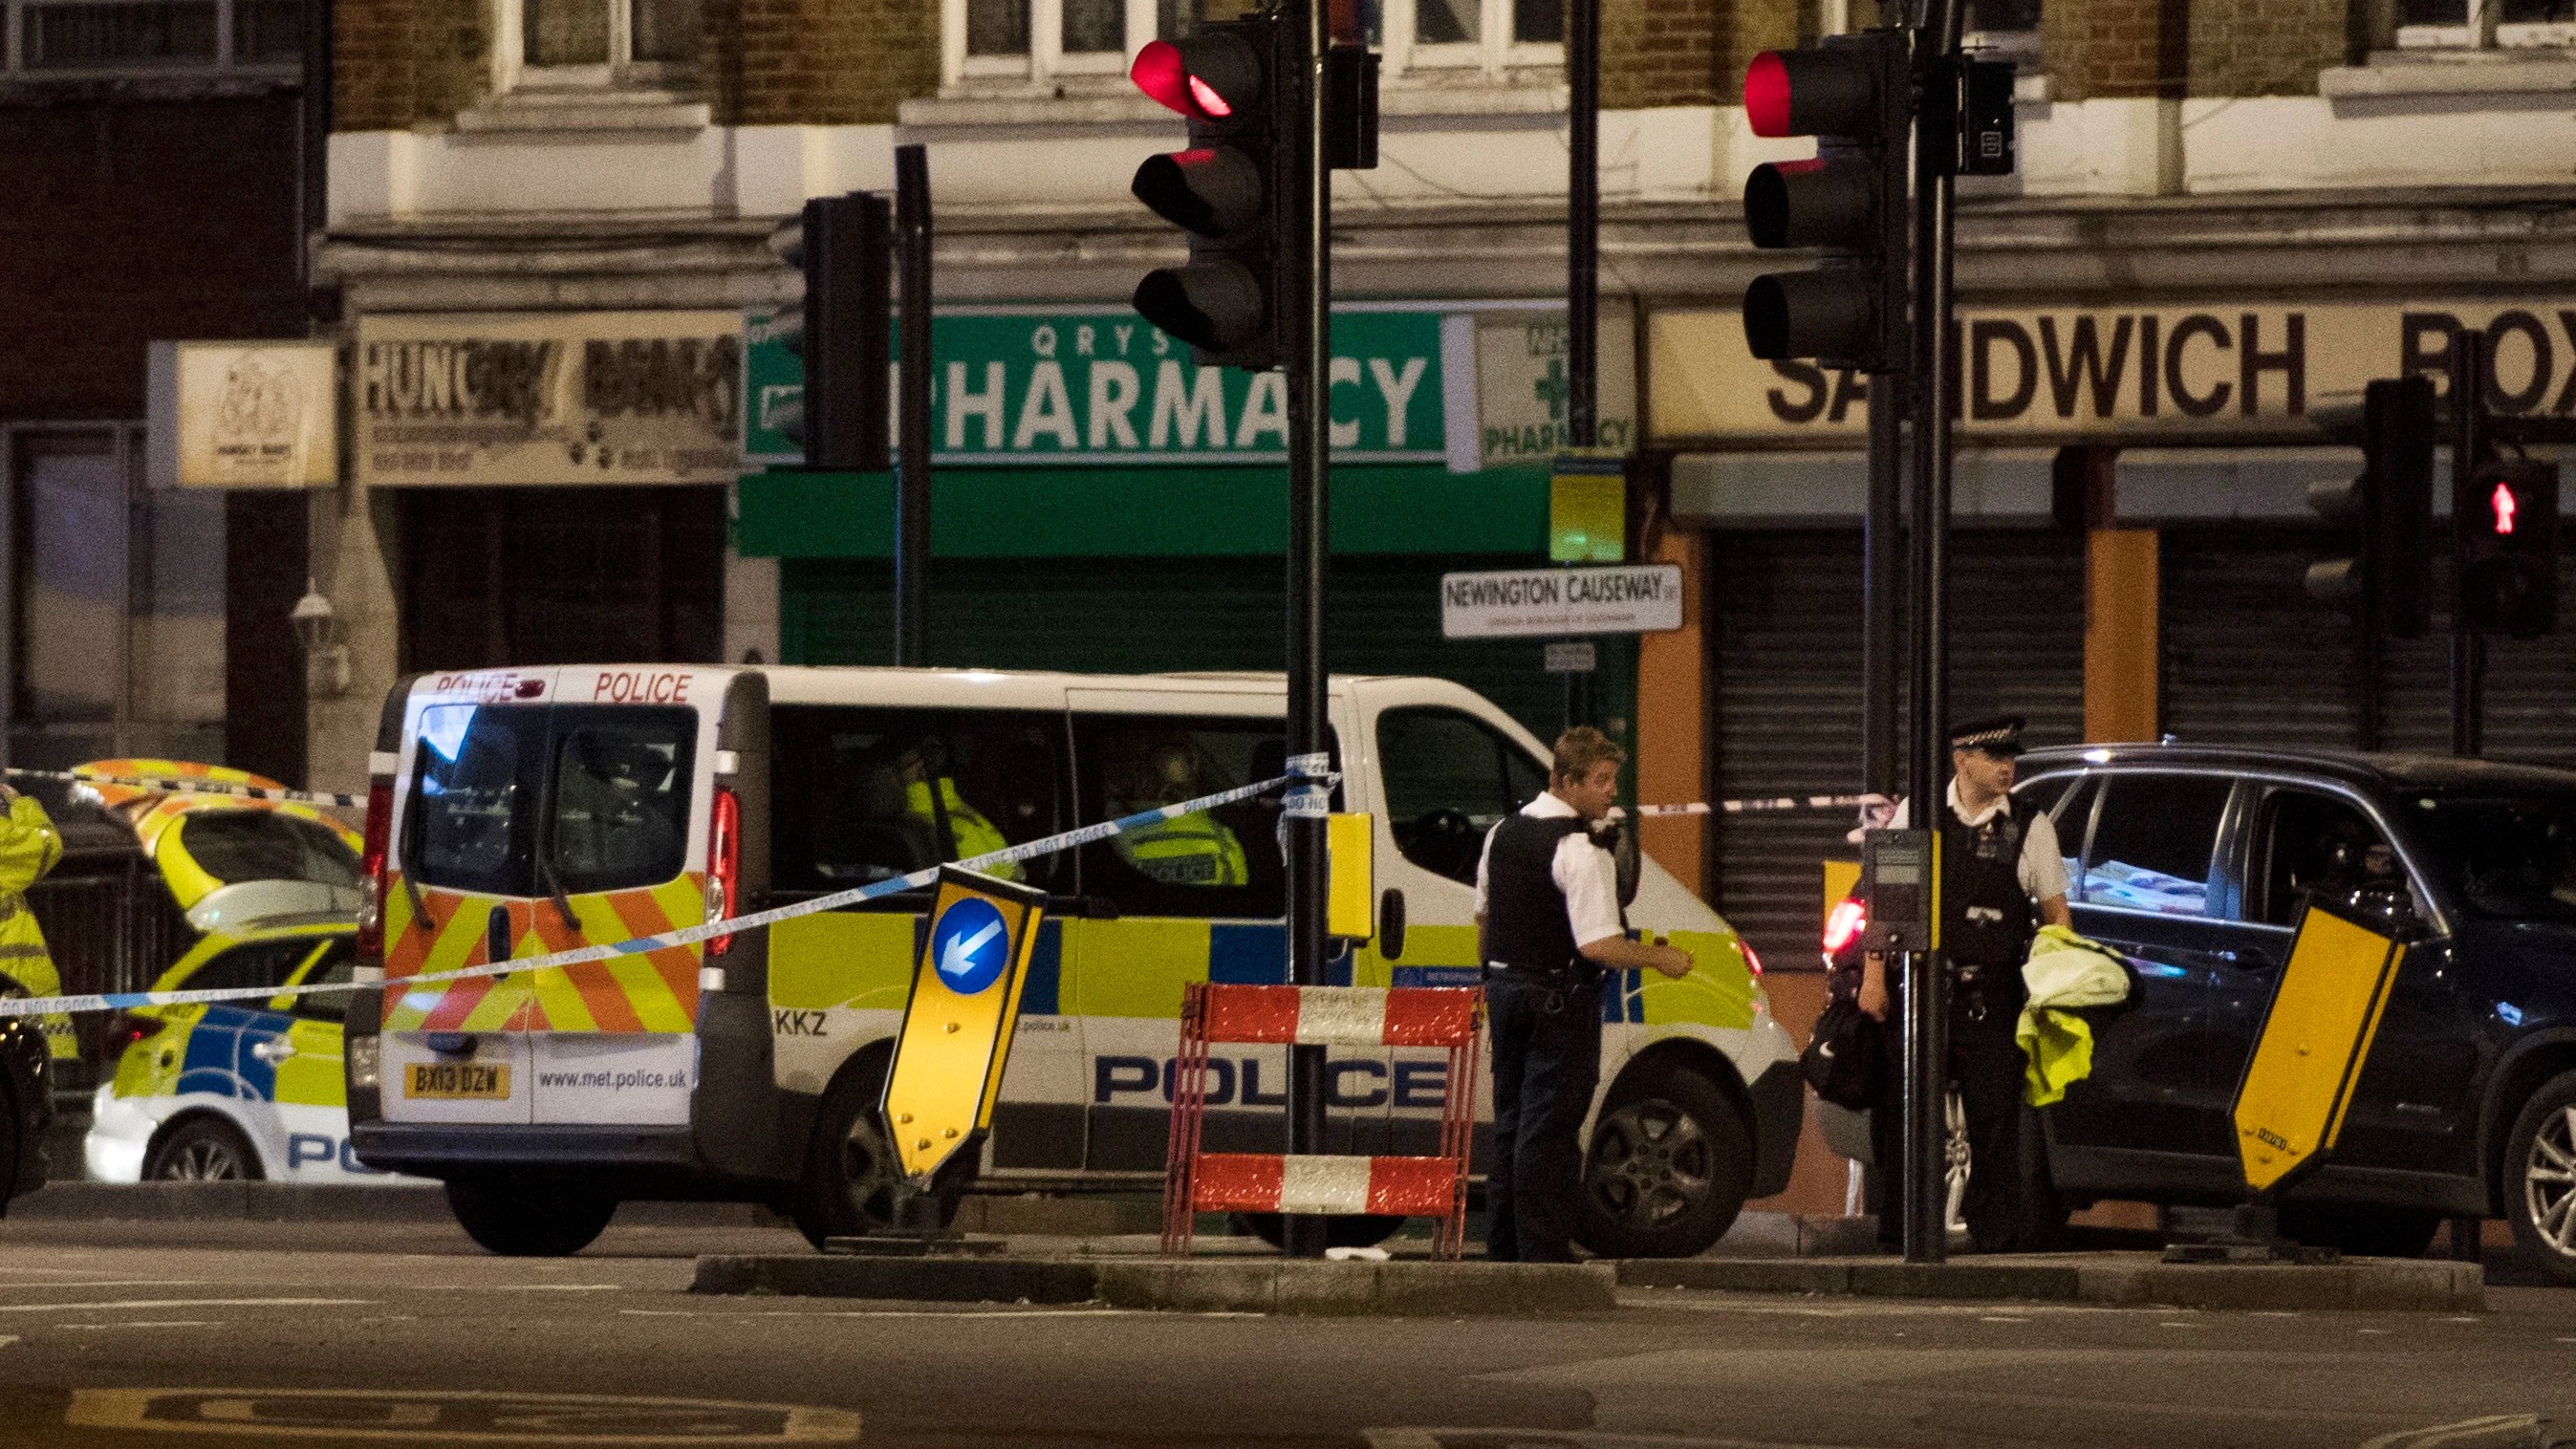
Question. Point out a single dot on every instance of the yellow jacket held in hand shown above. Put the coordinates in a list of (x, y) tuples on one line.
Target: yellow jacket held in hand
[(29, 847), (2064, 971)]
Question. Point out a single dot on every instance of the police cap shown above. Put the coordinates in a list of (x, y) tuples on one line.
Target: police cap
[(1996, 735)]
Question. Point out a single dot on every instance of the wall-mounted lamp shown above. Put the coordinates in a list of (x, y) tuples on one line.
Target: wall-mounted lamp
[(326, 657)]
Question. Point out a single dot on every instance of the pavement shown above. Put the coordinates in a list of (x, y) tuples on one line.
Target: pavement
[(140, 1334)]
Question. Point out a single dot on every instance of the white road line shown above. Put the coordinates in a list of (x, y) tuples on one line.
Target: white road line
[(105, 1283), (519, 1287), (155, 1323), (139, 1303), (7, 1339), (928, 1313)]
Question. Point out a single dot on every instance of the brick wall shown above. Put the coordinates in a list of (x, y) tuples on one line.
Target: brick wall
[(820, 62), (133, 221), (2272, 47), (1690, 52), (2100, 49)]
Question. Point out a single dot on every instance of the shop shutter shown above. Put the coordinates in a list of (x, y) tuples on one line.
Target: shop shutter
[(1139, 616), (1784, 641)]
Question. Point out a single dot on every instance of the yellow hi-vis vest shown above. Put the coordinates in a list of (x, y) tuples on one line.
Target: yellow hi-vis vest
[(974, 834), (29, 847), (1191, 850)]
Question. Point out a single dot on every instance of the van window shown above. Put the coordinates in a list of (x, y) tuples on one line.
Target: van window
[(237, 845), (860, 795), (615, 780), (1449, 777), (2153, 841), (1209, 863)]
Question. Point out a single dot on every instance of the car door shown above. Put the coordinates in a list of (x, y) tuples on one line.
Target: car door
[(1205, 900), (2413, 1106), (2150, 884), (311, 1095)]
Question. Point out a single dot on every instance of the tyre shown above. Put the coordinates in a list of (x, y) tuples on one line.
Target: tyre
[(2360, 1232), (203, 1149), (1669, 1167), (1339, 1232), (528, 1212), (847, 1189), (2540, 1178)]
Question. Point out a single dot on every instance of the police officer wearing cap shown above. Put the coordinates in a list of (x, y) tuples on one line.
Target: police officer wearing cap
[(2001, 879), (1548, 923)]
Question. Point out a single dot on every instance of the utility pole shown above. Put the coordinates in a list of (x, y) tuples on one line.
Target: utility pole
[(1936, 133), (912, 481), (1310, 359), (2468, 441), (1582, 220)]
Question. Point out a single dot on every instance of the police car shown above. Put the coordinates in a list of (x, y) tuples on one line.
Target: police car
[(233, 1090)]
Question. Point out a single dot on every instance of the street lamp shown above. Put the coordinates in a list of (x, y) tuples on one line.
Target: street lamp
[(317, 629)]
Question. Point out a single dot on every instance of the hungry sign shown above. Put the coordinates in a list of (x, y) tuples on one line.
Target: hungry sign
[(2205, 369)]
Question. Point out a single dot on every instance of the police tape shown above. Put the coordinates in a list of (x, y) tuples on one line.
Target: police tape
[(685, 936), (1777, 802), (192, 785)]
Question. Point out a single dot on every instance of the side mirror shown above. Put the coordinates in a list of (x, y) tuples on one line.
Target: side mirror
[(1390, 924)]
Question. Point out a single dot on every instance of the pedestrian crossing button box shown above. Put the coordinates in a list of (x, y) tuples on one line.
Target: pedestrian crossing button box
[(1900, 886)]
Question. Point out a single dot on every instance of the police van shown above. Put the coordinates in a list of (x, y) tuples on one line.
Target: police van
[(518, 812)]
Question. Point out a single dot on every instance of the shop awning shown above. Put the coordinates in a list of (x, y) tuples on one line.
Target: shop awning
[(1143, 512)]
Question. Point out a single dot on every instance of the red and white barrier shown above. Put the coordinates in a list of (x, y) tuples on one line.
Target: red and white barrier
[(1268, 1182), (1353, 1016)]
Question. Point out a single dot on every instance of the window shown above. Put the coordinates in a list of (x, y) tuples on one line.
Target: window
[(252, 966), (618, 796), (1488, 35), (1042, 39), (2153, 839), (1210, 863), (2512, 859), (2321, 848), (864, 795), (94, 37), (262, 845), (2484, 24), (1449, 777), (335, 966), (2072, 814)]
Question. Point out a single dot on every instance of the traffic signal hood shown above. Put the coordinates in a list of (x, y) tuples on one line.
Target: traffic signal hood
[(1227, 190), (1855, 95), (839, 330)]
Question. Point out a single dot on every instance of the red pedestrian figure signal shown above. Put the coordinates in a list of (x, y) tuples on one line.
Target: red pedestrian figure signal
[(2503, 503)]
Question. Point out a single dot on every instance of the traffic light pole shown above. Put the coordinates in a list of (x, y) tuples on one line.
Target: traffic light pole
[(2468, 646), (1935, 136), (912, 481), (1582, 223), (1308, 295)]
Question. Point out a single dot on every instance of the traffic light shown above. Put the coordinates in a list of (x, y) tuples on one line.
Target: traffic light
[(842, 244), (1854, 94), (1229, 190), (2506, 531), (2379, 568)]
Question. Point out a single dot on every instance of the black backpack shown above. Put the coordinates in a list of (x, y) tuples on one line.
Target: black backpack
[(1842, 1061)]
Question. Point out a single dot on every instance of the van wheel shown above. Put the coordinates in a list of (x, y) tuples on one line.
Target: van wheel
[(528, 1213), (1670, 1165), (2540, 1178), (847, 1190), (1339, 1232), (203, 1149), (2360, 1232)]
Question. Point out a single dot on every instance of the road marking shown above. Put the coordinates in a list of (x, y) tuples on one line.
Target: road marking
[(931, 1313), (7, 1339), (459, 1416), (2441, 1434), (1999, 1318), (2379, 1331), (160, 1323), (521, 1287), (108, 1283), (141, 1303)]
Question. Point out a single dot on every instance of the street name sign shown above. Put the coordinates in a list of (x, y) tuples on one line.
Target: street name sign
[(957, 1024), (1556, 602)]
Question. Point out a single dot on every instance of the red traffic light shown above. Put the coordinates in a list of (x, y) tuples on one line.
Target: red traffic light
[(1829, 91), (1766, 95), (2501, 505), (1210, 76)]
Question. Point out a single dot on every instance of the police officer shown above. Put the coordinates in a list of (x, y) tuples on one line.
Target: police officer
[(1548, 923), (29, 847), (2001, 879)]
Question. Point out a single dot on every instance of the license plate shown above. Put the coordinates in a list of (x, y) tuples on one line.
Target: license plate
[(458, 1081)]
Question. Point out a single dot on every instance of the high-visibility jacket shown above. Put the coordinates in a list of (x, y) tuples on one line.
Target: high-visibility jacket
[(1191, 850), (29, 847), (2065, 971), (973, 833)]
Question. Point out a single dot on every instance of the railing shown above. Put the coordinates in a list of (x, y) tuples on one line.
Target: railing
[(110, 926), (74, 39)]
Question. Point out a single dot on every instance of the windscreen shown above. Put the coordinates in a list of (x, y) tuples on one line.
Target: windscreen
[(525, 800), (239, 845), (2506, 857)]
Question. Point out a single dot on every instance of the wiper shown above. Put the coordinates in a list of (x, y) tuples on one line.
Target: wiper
[(555, 891)]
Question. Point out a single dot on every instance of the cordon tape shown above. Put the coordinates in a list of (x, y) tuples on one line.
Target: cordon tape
[(687, 936), (1738, 807)]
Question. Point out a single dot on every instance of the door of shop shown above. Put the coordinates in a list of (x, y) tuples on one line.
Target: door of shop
[(523, 576)]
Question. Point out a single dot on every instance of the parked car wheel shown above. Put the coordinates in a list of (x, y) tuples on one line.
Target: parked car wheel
[(1670, 1165), (847, 1190), (528, 1213), (2540, 1178), (2360, 1232), (203, 1149)]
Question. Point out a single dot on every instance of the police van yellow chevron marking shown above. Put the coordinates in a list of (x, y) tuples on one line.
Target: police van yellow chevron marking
[(656, 991)]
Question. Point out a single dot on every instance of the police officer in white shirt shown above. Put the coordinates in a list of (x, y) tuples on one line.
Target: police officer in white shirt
[(1548, 923), (2001, 879)]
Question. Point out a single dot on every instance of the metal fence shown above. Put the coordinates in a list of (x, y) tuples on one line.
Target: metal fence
[(111, 926)]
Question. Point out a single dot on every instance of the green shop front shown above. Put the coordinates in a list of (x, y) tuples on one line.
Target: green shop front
[(1100, 502)]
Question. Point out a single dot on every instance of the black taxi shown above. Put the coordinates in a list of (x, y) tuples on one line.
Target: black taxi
[(2195, 860)]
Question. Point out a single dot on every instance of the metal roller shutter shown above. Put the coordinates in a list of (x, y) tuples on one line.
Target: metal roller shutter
[(1784, 642), (1136, 616)]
